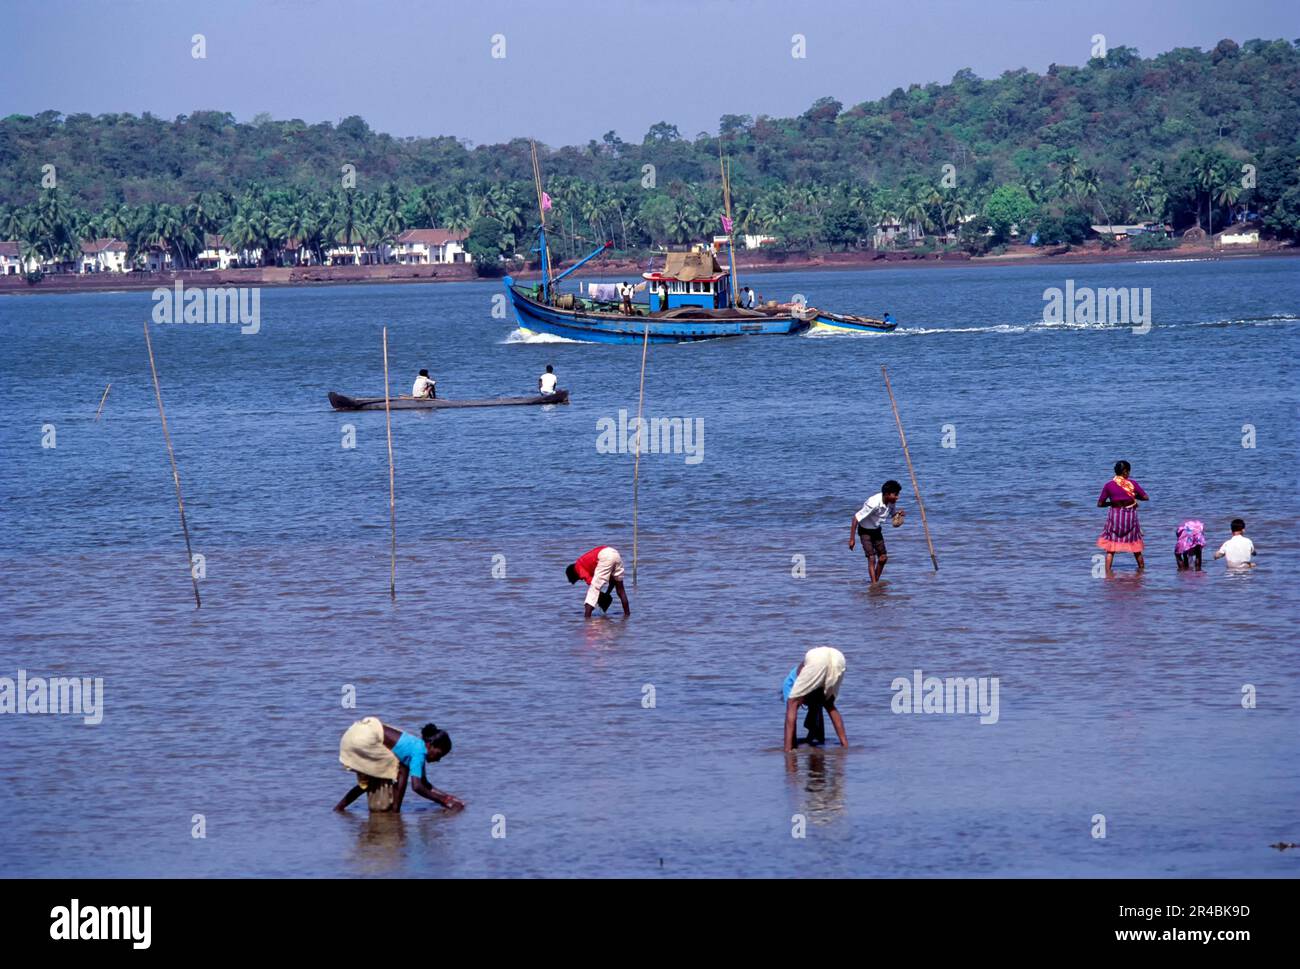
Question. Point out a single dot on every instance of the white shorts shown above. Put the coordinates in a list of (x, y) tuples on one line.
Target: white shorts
[(609, 566)]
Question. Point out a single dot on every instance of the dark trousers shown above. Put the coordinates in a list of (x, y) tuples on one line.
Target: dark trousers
[(815, 720)]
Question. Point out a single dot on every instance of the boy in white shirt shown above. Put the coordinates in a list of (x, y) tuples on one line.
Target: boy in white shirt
[(1238, 550), (868, 521), (547, 381)]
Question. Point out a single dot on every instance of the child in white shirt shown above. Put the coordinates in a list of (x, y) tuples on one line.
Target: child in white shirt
[(1238, 550)]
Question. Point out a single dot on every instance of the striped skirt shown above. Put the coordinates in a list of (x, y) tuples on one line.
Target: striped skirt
[(1122, 533)]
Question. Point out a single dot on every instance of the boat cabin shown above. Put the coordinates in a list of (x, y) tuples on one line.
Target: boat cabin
[(693, 279)]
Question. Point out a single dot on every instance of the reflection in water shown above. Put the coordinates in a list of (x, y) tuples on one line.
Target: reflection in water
[(604, 632), (820, 774), (380, 838)]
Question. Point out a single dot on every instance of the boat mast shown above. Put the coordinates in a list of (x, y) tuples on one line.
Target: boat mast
[(731, 242), (541, 232)]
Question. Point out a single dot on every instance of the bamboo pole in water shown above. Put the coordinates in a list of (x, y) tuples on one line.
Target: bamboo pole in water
[(171, 455), (636, 467), (903, 437), (392, 482), (102, 399)]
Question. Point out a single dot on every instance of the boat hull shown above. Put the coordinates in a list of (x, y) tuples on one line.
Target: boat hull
[(859, 324), (343, 402), (590, 327)]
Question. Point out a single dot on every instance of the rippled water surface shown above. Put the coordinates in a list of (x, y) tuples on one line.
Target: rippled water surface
[(1119, 697)]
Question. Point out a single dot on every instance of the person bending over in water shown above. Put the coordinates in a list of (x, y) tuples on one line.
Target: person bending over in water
[(1189, 545), (602, 569), (814, 683), (383, 757)]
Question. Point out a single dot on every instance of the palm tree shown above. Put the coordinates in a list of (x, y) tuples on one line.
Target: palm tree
[(933, 201), (916, 214), (954, 210), (1088, 186), (12, 222), (1227, 193), (1206, 176), (345, 215)]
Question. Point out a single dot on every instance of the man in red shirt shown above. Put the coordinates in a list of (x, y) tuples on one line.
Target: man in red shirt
[(601, 568)]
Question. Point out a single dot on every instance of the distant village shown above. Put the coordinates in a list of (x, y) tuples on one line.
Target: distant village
[(437, 247), (413, 247)]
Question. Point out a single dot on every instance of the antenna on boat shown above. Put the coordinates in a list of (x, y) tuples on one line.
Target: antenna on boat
[(727, 223), (541, 211)]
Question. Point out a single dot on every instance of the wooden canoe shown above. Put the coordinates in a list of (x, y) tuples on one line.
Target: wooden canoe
[(343, 402)]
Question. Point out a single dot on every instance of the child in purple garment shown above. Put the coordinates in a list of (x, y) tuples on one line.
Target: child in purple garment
[(1191, 540)]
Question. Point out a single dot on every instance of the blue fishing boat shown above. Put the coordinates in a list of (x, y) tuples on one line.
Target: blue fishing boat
[(689, 300), (842, 321)]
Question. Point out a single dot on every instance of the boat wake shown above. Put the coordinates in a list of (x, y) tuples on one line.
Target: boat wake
[(1274, 319), (531, 336), (1038, 326)]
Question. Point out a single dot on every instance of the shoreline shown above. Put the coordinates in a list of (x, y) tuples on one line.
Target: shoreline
[(276, 276)]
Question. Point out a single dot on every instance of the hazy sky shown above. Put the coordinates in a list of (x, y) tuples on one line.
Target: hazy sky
[(573, 69)]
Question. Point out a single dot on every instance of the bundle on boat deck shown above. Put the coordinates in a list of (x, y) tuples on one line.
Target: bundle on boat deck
[(343, 402), (725, 313)]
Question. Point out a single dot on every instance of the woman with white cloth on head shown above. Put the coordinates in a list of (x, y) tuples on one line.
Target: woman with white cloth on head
[(814, 683)]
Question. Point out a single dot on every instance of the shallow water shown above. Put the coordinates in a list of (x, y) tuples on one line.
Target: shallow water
[(1119, 697)]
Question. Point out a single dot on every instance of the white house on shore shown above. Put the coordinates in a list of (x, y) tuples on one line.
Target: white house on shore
[(156, 259), (103, 256), (357, 254), (217, 255), (1241, 234), (428, 247), (1128, 231), (11, 259)]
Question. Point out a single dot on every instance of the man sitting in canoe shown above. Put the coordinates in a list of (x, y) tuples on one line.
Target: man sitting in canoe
[(426, 388), (547, 381), (601, 568)]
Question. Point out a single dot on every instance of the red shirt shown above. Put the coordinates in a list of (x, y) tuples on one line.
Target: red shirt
[(586, 564)]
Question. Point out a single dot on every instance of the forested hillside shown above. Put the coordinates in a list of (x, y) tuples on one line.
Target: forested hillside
[(1120, 139)]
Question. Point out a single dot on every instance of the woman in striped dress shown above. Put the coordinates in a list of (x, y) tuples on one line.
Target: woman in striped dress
[(1122, 533)]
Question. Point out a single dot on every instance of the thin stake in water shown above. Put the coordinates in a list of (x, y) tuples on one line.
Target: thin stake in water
[(636, 467), (171, 455), (102, 399), (392, 484), (916, 490)]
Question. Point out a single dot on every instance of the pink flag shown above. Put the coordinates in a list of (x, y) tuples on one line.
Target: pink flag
[(546, 202), (726, 225)]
